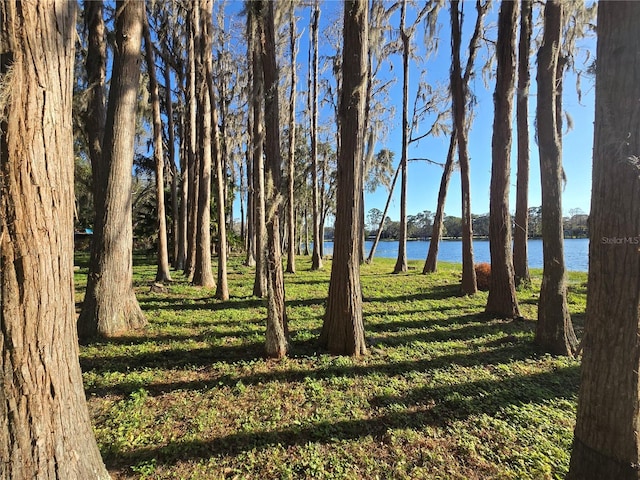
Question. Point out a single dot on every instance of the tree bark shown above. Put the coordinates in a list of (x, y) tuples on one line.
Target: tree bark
[(521, 232), (110, 306), (277, 329), (431, 263), (250, 259), (554, 331), (291, 218), (260, 281), (459, 97), (316, 259), (343, 330), (203, 274), (401, 262), (45, 428), (502, 300), (607, 437), (163, 274)]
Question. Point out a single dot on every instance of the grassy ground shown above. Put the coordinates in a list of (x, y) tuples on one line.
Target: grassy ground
[(445, 393)]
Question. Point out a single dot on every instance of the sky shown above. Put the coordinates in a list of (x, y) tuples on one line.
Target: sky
[(424, 178)]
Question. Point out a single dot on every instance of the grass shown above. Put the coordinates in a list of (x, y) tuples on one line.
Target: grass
[(446, 391)]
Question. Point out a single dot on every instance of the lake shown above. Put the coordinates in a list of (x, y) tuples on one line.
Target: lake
[(576, 251)]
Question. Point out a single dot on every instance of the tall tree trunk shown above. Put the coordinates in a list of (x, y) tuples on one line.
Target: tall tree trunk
[(260, 281), (343, 330), (431, 263), (521, 232), (372, 252), (401, 262), (203, 275), (45, 428), (554, 331), (502, 299), (175, 175), (607, 438), (193, 170), (316, 259), (291, 219), (250, 259), (459, 96), (277, 330), (110, 306), (184, 195), (222, 289), (162, 274)]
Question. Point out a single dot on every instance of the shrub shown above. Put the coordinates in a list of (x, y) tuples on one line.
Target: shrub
[(483, 275)]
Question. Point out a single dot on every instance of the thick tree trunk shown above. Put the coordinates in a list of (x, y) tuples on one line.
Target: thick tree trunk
[(277, 330), (521, 232), (260, 281), (203, 274), (607, 434), (163, 274), (459, 96), (291, 218), (431, 263), (401, 262), (316, 259), (110, 306), (502, 299), (45, 428), (343, 330), (554, 331)]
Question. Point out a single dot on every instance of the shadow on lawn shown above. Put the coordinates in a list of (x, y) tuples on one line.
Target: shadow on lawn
[(435, 406), (214, 305)]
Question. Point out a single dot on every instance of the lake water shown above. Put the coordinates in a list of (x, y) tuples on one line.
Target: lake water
[(576, 251)]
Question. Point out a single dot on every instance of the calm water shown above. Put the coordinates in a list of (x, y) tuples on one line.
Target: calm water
[(576, 251)]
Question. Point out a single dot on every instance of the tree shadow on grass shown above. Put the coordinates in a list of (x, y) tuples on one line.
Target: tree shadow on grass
[(426, 406), (436, 292)]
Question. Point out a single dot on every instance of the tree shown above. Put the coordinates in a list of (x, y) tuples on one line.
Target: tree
[(521, 230), (110, 306), (343, 330), (162, 274), (316, 259), (45, 428), (202, 274), (606, 440), (291, 216), (277, 330), (502, 299), (554, 331)]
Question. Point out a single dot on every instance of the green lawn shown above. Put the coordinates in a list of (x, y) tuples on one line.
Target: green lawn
[(446, 391)]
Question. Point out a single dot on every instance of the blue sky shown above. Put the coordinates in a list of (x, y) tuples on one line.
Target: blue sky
[(423, 178)]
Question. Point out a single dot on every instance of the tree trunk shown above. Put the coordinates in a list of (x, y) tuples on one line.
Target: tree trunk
[(607, 438), (260, 281), (277, 330), (110, 306), (459, 97), (203, 274), (401, 262), (45, 428), (222, 289), (184, 196), (162, 274), (291, 219), (521, 232), (193, 170), (316, 259), (502, 299), (431, 263), (343, 330), (250, 259), (554, 331)]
